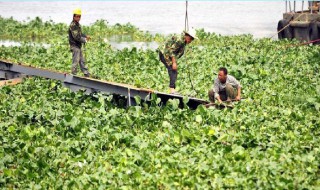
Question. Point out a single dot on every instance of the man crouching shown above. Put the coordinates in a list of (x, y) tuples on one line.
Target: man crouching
[(225, 88)]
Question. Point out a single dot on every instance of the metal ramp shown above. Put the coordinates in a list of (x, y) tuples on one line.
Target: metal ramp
[(9, 70)]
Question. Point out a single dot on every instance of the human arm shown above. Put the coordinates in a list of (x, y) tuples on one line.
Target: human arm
[(238, 98), (219, 99), (180, 51), (87, 37), (76, 34), (174, 64), (236, 84), (173, 50), (216, 91)]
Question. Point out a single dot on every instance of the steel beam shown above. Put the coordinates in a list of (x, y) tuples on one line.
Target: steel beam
[(104, 86), (193, 103), (28, 70), (4, 74), (76, 83)]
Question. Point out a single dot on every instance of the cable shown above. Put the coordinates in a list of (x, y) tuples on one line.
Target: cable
[(286, 25), (186, 21), (301, 44), (186, 28)]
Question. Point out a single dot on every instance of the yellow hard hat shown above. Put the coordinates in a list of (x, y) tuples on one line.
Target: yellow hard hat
[(77, 11)]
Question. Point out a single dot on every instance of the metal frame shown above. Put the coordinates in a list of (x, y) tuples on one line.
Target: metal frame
[(10, 70)]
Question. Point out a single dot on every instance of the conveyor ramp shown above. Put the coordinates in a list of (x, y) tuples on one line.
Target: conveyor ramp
[(9, 70)]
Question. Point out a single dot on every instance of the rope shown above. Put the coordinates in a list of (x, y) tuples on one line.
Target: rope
[(84, 51), (186, 28), (186, 20), (301, 44), (286, 25), (305, 43), (290, 46)]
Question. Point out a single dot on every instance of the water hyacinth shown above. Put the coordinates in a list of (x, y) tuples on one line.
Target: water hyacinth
[(53, 138)]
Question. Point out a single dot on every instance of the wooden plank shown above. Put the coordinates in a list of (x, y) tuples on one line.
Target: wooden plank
[(10, 82)]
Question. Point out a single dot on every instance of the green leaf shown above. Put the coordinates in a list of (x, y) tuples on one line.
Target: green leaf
[(137, 100), (198, 118), (166, 124), (11, 128), (311, 100), (317, 106), (211, 132)]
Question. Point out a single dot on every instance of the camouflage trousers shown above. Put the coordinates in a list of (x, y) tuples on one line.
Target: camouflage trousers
[(229, 92), (77, 58)]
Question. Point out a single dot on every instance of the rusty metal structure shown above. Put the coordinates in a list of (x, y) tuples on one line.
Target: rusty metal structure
[(300, 23)]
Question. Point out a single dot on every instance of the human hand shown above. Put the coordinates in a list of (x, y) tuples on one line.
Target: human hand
[(174, 66)]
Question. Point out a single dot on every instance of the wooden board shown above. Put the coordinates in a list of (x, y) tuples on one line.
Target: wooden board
[(10, 82)]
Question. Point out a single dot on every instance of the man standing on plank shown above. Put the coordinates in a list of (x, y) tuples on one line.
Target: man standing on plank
[(76, 38), (172, 49)]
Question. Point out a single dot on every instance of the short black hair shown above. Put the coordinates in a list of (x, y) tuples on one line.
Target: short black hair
[(225, 71)]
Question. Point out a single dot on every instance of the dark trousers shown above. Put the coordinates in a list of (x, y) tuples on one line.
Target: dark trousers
[(222, 94), (173, 74), (229, 92)]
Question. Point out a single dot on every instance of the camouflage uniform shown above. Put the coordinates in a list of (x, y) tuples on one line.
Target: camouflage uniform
[(76, 38), (173, 47)]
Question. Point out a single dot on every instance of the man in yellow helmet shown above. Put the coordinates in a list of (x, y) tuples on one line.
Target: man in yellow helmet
[(76, 38)]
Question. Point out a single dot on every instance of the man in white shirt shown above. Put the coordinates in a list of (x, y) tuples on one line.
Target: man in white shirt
[(225, 88)]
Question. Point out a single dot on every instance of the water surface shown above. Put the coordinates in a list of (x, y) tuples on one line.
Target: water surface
[(227, 18)]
